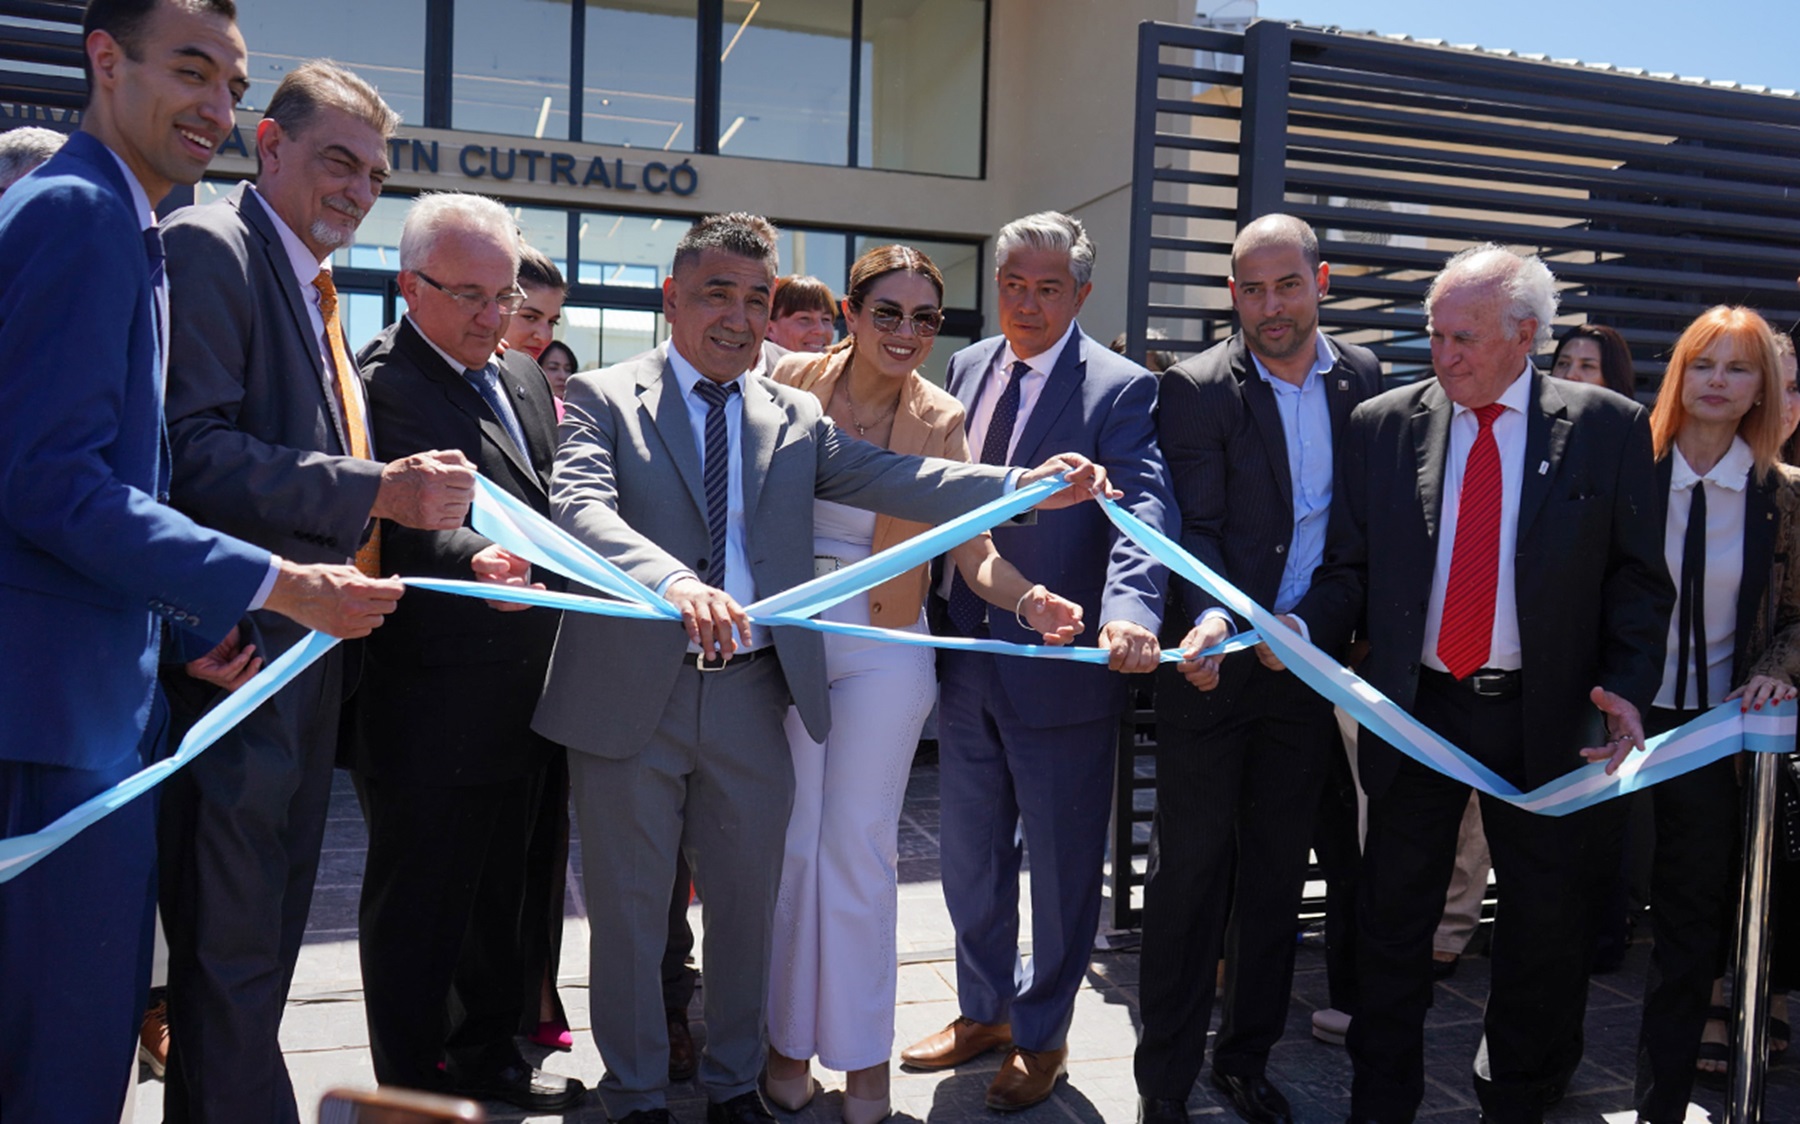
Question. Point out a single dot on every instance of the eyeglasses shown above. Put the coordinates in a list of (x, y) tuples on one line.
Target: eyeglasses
[(926, 321), (476, 303)]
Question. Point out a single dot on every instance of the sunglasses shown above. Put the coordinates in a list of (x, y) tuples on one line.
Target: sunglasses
[(926, 322)]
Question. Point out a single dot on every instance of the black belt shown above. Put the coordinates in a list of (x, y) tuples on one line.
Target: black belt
[(1485, 683), (714, 663)]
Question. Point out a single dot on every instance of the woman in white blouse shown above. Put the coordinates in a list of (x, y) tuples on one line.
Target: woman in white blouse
[(1730, 510)]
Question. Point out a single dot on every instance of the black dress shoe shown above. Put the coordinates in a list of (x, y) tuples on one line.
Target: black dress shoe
[(522, 1086), (1161, 1110), (745, 1108), (1254, 1098), (682, 1059), (645, 1116)]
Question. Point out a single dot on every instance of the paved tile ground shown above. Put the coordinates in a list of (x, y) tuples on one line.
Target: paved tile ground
[(326, 1041)]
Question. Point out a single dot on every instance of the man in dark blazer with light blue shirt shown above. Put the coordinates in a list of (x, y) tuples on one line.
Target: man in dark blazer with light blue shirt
[(268, 430), (93, 562), (1033, 741), (1242, 750)]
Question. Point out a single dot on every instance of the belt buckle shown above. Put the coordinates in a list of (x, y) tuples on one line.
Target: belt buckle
[(1490, 684), (703, 662)]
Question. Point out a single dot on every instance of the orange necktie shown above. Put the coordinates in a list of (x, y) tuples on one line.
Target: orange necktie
[(368, 559)]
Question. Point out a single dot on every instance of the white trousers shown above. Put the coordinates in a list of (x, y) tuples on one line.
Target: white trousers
[(831, 983)]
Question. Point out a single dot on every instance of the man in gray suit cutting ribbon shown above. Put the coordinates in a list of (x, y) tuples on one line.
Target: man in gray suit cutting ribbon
[(699, 482)]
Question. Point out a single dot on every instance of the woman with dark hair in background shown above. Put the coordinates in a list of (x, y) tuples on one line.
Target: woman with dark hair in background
[(534, 325), (1596, 355), (832, 980), (1731, 512), (800, 315), (558, 362)]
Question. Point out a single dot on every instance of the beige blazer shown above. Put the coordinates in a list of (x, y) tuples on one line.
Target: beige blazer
[(928, 422)]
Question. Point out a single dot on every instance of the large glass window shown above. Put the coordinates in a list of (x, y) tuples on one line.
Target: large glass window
[(922, 73), (387, 48), (639, 85), (511, 67), (784, 80)]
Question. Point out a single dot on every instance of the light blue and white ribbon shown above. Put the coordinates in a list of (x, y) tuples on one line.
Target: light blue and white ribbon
[(515, 526)]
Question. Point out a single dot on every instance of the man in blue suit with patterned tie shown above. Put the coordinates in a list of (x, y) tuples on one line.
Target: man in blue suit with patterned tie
[(1026, 746), (93, 563)]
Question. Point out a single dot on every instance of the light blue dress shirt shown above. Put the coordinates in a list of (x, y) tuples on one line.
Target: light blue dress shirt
[(1306, 427)]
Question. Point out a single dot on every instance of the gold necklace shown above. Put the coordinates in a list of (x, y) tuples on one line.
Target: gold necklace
[(850, 404)]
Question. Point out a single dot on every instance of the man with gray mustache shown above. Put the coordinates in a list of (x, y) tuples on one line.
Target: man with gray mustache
[(268, 433)]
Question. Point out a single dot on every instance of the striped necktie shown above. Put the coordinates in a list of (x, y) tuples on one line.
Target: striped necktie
[(716, 474), (1466, 629)]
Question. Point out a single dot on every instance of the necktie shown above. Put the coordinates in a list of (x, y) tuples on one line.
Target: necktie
[(153, 250), (968, 611), (350, 406), (486, 382), (716, 475), (159, 307), (1691, 620), (1466, 630)]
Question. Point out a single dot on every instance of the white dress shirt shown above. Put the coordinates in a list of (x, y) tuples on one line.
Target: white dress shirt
[(1725, 495), (1031, 388), (740, 581), (1509, 435)]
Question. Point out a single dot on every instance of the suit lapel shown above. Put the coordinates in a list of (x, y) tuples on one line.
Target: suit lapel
[(1431, 444), (968, 390), (1546, 436), (661, 394), (758, 433), (1259, 398), (256, 218), (534, 423), (1761, 522), (1065, 377)]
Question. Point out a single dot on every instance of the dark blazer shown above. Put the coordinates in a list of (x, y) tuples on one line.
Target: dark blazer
[(448, 684), (1103, 406), (253, 416), (1766, 555), (1220, 430), (89, 557), (1593, 592)]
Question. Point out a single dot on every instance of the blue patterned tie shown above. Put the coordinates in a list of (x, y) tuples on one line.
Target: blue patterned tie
[(716, 474), (967, 611), (486, 382)]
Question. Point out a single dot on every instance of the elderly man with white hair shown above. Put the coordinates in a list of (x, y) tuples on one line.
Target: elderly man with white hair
[(447, 766), (1495, 528), (23, 149)]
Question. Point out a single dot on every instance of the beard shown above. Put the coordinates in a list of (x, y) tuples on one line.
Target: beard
[(1299, 337)]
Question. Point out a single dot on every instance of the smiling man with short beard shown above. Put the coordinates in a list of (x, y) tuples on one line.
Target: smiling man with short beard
[(268, 431)]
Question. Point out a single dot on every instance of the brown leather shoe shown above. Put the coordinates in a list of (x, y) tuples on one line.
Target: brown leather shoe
[(1026, 1077), (955, 1044), (682, 1062), (153, 1040)]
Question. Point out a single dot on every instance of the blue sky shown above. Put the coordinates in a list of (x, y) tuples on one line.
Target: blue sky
[(1756, 42)]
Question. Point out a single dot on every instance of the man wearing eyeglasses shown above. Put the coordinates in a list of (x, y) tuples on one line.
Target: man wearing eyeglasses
[(448, 768), (267, 430)]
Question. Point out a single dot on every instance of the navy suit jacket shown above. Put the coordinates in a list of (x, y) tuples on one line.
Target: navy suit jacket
[(1221, 431), (1103, 406), (91, 560)]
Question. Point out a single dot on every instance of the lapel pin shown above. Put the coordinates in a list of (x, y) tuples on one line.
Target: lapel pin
[(1343, 384), (1543, 467)]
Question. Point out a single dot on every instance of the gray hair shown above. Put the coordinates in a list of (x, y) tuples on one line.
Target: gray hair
[(1048, 230), (319, 84), (1528, 284), (460, 212), (1277, 230), (23, 149)]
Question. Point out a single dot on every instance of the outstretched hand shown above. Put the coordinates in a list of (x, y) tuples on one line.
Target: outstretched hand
[(1055, 618), (1624, 727), (500, 566)]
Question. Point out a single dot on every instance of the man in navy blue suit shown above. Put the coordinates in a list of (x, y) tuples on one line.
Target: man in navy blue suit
[(93, 563), (1031, 742)]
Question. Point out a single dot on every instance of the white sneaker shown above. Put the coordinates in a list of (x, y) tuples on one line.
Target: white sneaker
[(1330, 1026)]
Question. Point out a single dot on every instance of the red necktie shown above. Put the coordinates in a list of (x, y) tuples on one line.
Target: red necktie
[(1466, 631)]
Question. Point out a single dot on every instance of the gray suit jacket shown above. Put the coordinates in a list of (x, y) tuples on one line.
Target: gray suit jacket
[(253, 424), (628, 483)]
